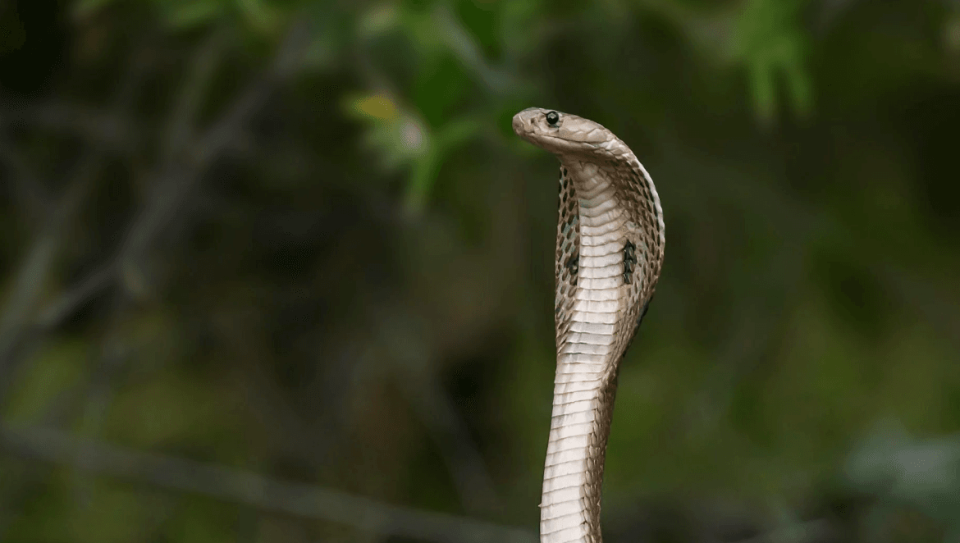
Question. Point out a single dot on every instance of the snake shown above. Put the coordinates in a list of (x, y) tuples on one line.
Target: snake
[(609, 252)]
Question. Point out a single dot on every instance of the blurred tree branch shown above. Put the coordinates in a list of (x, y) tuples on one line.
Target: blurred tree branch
[(177, 182), (36, 266), (177, 179), (27, 188), (402, 341), (264, 493), (107, 129)]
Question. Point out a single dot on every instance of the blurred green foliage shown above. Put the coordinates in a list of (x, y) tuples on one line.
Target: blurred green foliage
[(300, 239)]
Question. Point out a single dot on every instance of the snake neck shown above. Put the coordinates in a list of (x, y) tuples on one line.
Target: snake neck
[(592, 314), (573, 475)]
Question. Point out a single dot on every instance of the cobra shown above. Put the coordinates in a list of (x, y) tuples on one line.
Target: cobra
[(610, 244)]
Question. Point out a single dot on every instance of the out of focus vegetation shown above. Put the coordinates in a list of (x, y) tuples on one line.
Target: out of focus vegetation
[(280, 271)]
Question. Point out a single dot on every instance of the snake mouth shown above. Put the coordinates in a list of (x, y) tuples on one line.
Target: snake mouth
[(523, 124), (555, 144)]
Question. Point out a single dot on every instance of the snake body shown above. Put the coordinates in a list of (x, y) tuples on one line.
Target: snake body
[(610, 243)]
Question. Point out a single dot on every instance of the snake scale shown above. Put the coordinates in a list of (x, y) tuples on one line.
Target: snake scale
[(610, 242)]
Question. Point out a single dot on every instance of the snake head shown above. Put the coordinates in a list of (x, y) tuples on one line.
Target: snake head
[(561, 133)]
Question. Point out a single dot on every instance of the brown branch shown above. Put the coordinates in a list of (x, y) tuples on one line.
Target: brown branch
[(179, 179), (28, 190), (68, 302), (183, 115), (21, 305), (296, 499), (36, 266), (107, 129)]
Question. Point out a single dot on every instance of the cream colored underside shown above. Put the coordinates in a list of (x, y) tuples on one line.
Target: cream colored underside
[(584, 363)]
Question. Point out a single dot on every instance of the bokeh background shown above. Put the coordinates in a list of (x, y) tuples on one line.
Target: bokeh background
[(281, 272)]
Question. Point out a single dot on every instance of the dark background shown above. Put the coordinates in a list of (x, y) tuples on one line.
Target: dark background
[(280, 271)]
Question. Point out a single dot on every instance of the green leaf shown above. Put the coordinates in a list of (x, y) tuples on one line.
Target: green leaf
[(192, 13), (769, 40), (426, 168), (84, 8)]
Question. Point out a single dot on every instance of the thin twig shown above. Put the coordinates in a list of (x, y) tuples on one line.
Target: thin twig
[(285, 63), (452, 437), (248, 488), (106, 129), (184, 113), (179, 180), (27, 188), (100, 390), (437, 412), (68, 302), (151, 219), (36, 266)]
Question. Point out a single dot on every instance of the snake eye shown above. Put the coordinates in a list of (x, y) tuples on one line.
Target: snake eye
[(553, 118)]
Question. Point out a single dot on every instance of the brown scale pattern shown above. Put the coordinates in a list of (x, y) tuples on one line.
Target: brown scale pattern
[(634, 193), (567, 256)]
